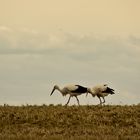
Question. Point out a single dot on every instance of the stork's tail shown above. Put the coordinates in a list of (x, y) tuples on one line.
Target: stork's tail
[(111, 90)]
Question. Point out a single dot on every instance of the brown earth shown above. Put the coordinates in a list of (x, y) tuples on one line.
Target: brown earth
[(59, 122)]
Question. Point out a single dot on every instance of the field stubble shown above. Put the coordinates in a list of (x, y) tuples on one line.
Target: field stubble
[(71, 122)]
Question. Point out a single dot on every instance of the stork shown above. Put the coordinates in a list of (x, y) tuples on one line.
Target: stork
[(101, 91), (72, 90)]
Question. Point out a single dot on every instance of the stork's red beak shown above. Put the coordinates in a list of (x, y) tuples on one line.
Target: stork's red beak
[(52, 91)]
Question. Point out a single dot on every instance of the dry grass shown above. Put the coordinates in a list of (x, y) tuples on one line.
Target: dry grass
[(73, 122)]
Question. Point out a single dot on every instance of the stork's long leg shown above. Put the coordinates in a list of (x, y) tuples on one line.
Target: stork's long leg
[(68, 100), (77, 100), (100, 100), (103, 99)]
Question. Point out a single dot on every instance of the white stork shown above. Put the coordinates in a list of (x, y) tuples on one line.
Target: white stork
[(72, 90), (101, 91)]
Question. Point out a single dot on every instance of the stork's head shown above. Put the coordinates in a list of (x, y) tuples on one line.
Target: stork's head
[(54, 88)]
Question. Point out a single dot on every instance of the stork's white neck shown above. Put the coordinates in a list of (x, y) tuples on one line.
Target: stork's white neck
[(60, 90)]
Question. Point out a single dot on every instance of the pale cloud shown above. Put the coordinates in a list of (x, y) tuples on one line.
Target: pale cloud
[(5, 29), (104, 17)]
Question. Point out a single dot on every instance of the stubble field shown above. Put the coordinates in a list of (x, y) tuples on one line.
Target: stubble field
[(71, 122)]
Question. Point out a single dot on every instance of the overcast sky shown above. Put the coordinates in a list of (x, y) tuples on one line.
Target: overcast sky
[(87, 42)]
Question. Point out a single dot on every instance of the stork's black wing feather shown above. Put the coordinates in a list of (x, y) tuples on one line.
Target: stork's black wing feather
[(109, 90), (80, 89)]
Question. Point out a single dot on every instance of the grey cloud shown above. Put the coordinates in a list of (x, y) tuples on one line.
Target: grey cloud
[(105, 51), (34, 62), (134, 40), (26, 42)]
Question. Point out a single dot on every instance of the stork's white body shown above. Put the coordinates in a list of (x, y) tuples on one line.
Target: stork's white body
[(72, 90), (101, 91)]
